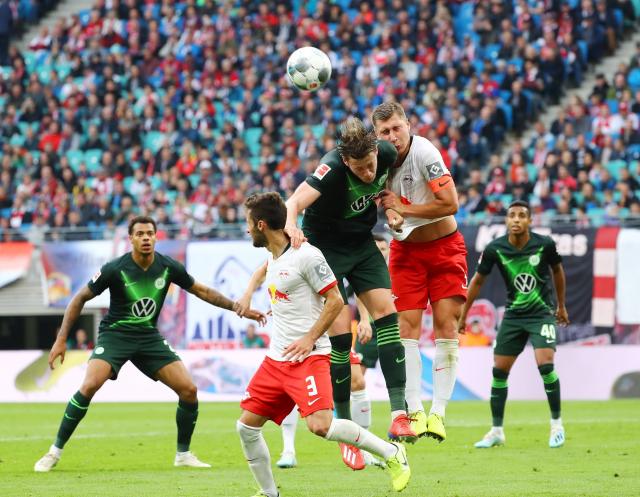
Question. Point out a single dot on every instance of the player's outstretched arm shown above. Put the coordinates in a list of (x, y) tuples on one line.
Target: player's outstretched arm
[(301, 348), (303, 197), (257, 279), (214, 297), (472, 294), (71, 314), (559, 281)]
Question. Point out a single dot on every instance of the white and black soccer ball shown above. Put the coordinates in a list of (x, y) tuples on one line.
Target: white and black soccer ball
[(309, 68)]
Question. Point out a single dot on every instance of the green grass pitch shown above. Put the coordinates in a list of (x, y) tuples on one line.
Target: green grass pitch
[(126, 450)]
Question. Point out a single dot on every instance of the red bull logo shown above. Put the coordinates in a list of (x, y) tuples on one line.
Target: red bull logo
[(277, 296)]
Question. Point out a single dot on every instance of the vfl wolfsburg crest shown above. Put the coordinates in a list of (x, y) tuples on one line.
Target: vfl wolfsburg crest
[(534, 260), (144, 307), (525, 283), (159, 283)]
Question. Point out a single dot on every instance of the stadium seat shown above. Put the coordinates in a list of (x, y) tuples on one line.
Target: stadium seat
[(194, 180), (75, 157), (93, 159), (154, 140), (252, 139), (614, 168), (318, 131)]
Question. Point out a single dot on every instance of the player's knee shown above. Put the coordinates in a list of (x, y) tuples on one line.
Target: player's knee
[(318, 426), (446, 328), (188, 392), (90, 386), (410, 327)]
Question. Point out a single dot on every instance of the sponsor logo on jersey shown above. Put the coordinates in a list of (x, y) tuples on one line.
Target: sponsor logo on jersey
[(321, 171), (525, 283), (362, 202), (283, 274), (144, 307), (277, 295)]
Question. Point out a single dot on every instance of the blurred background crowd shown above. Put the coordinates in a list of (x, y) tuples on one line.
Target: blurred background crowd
[(181, 110)]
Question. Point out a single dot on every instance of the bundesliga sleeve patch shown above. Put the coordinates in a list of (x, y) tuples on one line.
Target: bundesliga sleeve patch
[(321, 171), (436, 170), (96, 276), (323, 271)]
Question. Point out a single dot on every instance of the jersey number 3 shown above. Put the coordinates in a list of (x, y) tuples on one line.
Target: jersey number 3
[(311, 386)]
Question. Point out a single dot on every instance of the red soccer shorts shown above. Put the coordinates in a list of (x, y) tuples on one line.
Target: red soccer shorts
[(278, 386), (428, 272)]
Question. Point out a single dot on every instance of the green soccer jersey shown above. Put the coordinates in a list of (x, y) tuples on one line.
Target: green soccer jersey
[(525, 272), (136, 295), (346, 206)]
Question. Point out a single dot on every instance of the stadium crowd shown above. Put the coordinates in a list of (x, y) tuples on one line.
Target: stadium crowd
[(180, 110)]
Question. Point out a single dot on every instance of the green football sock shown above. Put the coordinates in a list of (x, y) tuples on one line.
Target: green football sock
[(186, 416), (341, 374), (552, 388), (73, 414), (392, 360), (499, 391)]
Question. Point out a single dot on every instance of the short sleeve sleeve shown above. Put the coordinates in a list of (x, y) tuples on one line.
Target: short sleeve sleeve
[(180, 276), (551, 252), (101, 280), (316, 271), (486, 261), (326, 177)]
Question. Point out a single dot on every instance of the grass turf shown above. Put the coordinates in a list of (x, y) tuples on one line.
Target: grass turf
[(126, 450)]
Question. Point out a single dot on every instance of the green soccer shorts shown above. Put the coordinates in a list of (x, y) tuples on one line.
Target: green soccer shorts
[(362, 265), (148, 352), (514, 333)]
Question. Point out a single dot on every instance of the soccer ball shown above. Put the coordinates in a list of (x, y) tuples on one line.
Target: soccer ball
[(309, 68)]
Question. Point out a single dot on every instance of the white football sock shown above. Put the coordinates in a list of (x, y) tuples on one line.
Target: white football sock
[(257, 454), (289, 426), (345, 430), (445, 365), (361, 408), (413, 363)]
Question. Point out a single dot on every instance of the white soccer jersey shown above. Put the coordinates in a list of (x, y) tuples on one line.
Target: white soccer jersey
[(296, 281), (422, 172)]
